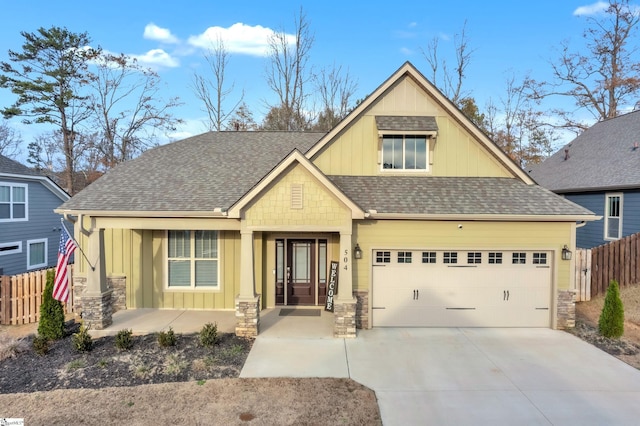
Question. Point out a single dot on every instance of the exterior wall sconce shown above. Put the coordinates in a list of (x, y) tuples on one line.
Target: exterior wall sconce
[(566, 253), (357, 252)]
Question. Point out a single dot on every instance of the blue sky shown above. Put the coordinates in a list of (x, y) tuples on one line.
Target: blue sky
[(370, 41)]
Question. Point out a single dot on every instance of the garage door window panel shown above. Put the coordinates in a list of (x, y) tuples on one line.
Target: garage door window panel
[(495, 258), (474, 257), (383, 257), (450, 257), (428, 257), (539, 258), (404, 257), (519, 258)]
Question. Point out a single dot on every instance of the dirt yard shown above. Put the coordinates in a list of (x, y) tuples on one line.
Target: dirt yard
[(626, 348), (148, 384)]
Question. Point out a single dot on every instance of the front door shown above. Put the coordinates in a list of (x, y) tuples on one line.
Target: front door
[(300, 274)]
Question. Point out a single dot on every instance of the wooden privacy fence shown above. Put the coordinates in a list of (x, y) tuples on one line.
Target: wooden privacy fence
[(21, 297), (583, 275), (617, 260)]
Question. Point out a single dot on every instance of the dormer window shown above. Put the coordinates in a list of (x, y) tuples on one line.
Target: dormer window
[(404, 152), (406, 142)]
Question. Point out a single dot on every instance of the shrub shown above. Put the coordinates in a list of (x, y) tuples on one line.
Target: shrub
[(124, 340), (611, 323), (11, 347), (41, 345), (167, 338), (209, 335), (51, 323), (82, 340)]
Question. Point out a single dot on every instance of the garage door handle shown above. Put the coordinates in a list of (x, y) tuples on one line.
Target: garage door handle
[(416, 294), (505, 295)]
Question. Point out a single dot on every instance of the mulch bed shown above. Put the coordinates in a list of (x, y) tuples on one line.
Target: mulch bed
[(106, 366)]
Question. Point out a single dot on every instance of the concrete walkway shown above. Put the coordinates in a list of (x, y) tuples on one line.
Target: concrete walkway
[(465, 376)]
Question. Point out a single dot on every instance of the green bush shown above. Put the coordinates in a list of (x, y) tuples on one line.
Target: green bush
[(51, 323), (124, 340), (82, 340), (209, 335), (41, 345), (167, 338), (611, 323)]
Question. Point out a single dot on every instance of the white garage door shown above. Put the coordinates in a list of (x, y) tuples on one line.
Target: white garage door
[(461, 288)]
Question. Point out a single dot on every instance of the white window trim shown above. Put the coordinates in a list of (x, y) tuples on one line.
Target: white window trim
[(8, 252), (606, 215), (26, 201), (192, 288), (429, 143), (46, 255)]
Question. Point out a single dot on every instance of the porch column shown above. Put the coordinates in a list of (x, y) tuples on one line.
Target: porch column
[(345, 304), (247, 302), (96, 300)]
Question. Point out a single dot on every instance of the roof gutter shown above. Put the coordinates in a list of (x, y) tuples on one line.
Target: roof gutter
[(215, 213), (484, 217)]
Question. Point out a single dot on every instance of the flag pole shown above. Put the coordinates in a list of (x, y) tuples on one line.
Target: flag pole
[(93, 268)]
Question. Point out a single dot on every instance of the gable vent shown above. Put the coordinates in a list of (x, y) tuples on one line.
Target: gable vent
[(296, 196)]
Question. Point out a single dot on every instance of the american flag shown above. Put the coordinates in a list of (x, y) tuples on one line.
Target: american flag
[(65, 250)]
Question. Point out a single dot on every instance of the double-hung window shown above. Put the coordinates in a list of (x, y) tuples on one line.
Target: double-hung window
[(405, 152), (13, 202), (193, 260), (613, 217)]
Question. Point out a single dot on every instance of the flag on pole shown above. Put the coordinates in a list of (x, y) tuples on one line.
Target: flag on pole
[(65, 250)]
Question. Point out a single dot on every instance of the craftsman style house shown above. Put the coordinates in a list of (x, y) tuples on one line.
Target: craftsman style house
[(29, 229), (428, 222)]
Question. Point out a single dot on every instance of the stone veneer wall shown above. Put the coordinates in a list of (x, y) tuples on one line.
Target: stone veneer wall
[(97, 310), (345, 320), (566, 315), (119, 286), (248, 317), (362, 308)]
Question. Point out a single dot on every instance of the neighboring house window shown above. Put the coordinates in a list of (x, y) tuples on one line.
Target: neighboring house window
[(613, 217), (193, 259), (37, 253), (10, 248), (13, 202), (404, 152)]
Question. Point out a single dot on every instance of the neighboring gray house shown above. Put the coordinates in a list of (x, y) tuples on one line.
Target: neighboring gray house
[(29, 229), (600, 170)]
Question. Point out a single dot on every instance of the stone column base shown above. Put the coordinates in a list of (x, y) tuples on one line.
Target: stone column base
[(566, 315), (345, 319), (97, 310), (118, 284), (248, 317), (362, 309)]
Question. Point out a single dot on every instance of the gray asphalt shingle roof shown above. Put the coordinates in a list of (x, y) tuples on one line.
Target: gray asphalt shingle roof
[(406, 123), (10, 166), (602, 157), (453, 195), (201, 173)]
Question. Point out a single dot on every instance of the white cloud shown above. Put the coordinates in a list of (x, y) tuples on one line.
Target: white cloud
[(238, 38), (591, 9), (406, 51), (154, 32), (156, 58)]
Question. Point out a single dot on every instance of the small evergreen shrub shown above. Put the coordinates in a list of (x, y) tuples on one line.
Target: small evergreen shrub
[(167, 338), (124, 340), (209, 335), (82, 340), (40, 345), (51, 323), (611, 322)]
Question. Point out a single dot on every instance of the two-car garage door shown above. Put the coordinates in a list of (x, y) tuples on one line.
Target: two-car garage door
[(454, 288)]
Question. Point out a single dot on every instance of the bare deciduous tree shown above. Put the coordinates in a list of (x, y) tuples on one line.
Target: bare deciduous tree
[(287, 75), (604, 79), (336, 90), (128, 110), (213, 92), (10, 140)]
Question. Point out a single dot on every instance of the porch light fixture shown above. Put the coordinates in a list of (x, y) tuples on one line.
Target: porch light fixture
[(357, 252), (566, 253)]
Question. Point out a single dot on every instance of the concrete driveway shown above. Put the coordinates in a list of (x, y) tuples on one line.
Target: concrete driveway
[(465, 376)]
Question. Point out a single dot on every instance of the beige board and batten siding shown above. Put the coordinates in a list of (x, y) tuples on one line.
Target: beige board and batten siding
[(455, 153), (321, 210)]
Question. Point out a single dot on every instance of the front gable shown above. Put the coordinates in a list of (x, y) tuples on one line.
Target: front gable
[(296, 196), (458, 148)]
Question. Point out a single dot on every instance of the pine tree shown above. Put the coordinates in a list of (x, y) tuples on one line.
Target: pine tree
[(51, 324), (611, 323)]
